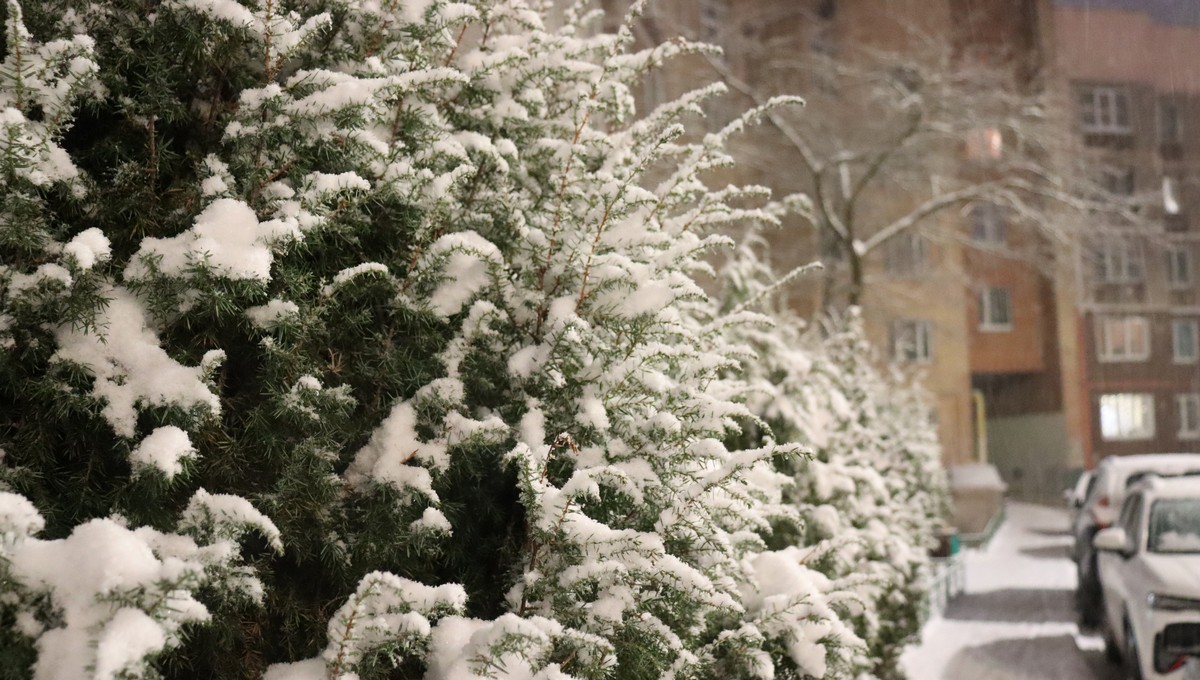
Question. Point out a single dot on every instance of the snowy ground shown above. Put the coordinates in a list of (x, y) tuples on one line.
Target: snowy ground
[(1015, 621)]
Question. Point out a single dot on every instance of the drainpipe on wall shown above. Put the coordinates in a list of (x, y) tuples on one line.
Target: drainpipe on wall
[(981, 448)]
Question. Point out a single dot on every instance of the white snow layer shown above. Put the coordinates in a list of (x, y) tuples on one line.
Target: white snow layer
[(229, 517), (18, 518), (464, 259), (976, 476), (271, 314), (393, 455), (226, 236), (88, 247), (130, 368), (466, 649), (1029, 590), (90, 577), (164, 449)]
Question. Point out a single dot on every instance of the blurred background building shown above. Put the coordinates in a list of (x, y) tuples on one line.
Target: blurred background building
[(1052, 326), (1132, 70)]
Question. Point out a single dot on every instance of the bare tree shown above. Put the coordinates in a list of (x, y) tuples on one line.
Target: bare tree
[(893, 138)]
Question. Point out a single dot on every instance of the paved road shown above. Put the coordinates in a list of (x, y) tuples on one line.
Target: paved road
[(1015, 620)]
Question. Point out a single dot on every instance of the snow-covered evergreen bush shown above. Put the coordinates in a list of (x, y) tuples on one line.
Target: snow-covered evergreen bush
[(355, 338), (872, 496)]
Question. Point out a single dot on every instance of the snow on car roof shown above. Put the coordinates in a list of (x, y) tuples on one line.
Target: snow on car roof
[(1150, 460), (1174, 487)]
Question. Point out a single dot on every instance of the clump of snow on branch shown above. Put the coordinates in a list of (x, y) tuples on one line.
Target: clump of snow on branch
[(130, 367), (107, 599)]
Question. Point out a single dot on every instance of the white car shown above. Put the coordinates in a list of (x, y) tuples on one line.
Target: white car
[(1105, 494), (1149, 569)]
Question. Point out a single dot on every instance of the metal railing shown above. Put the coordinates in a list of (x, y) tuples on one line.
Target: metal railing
[(947, 578)]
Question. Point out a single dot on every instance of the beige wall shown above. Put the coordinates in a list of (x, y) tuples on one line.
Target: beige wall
[(940, 297), (1076, 413)]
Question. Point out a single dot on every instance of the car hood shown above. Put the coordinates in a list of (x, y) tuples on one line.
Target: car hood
[(1174, 574)]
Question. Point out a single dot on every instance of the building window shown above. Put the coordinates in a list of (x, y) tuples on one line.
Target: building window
[(988, 224), (1189, 415), (1104, 110), (995, 309), (1179, 266), (1123, 338), (1170, 127), (1118, 261), (1117, 181), (1126, 416), (1184, 338), (906, 255), (912, 340), (712, 20)]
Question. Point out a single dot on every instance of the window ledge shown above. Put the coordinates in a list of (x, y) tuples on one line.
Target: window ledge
[(995, 328), (1117, 282)]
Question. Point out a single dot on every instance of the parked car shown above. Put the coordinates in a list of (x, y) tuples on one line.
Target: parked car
[(1111, 478), (1149, 569)]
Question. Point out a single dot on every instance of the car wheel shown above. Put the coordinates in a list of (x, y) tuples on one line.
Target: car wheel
[(1112, 651), (1132, 661), (1089, 601)]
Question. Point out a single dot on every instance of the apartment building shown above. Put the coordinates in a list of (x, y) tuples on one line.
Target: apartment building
[(1131, 69)]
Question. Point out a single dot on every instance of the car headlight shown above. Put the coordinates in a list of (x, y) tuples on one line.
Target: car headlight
[(1171, 603)]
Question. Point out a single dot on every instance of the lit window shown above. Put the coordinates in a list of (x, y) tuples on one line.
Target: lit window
[(985, 144), (1118, 261), (1104, 110), (1179, 266), (995, 309), (906, 255), (988, 224), (1170, 129), (1184, 338), (1126, 416), (1189, 415), (912, 340), (1123, 338)]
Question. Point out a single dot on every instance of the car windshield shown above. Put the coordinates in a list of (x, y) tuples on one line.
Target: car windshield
[(1089, 482), (1175, 526), (1098, 483)]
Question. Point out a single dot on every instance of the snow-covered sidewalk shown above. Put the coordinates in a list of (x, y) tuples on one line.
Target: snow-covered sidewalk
[(1015, 620)]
